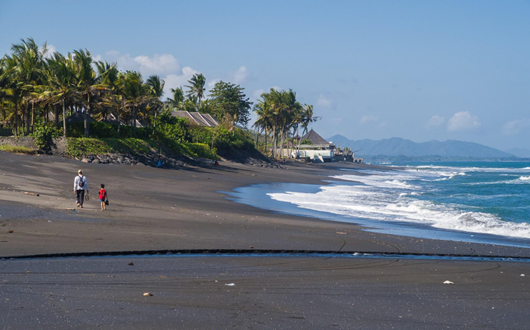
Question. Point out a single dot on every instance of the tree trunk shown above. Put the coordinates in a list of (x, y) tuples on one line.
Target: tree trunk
[(32, 115), (64, 118), (154, 128), (134, 122), (299, 139), (266, 134), (16, 118), (119, 122), (281, 143), (57, 114), (27, 120), (87, 115), (274, 142)]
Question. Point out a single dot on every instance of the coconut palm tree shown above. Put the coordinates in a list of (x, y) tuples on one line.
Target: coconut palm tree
[(24, 69), (196, 87), (108, 76), (62, 82), (264, 121), (135, 92), (156, 91), (88, 83), (12, 90), (177, 101)]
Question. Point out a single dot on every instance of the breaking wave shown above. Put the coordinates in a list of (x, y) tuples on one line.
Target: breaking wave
[(396, 196)]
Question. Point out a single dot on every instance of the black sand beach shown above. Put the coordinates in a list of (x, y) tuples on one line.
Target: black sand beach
[(161, 209)]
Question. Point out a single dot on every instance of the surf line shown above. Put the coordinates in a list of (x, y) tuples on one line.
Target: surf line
[(191, 253)]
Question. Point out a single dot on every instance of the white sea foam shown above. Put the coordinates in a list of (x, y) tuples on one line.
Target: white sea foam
[(473, 169), (520, 180), (389, 196)]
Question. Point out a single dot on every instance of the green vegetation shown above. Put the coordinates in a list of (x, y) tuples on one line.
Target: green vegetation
[(281, 116), (79, 147), (17, 150), (36, 86), (43, 134)]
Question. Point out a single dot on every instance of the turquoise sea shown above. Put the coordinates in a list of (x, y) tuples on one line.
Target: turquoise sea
[(467, 201)]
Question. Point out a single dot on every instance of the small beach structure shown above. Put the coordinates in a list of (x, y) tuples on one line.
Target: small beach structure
[(319, 150), (197, 118)]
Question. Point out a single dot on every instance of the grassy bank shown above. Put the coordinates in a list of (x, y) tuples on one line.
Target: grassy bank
[(17, 150), (79, 147)]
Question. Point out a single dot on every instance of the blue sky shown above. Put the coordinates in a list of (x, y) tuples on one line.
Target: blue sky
[(420, 70)]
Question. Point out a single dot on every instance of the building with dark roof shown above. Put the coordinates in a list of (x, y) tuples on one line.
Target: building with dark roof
[(197, 118), (317, 141)]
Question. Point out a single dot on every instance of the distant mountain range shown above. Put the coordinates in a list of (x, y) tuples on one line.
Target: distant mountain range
[(401, 148), (523, 153)]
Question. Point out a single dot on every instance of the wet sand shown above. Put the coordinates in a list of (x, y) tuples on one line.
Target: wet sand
[(160, 209), (261, 293)]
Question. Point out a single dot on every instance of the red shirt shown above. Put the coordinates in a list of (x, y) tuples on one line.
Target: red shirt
[(102, 194)]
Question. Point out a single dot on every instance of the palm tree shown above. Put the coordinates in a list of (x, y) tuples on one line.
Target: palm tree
[(12, 88), (156, 91), (178, 98), (196, 87), (88, 83), (264, 120), (24, 70), (62, 82), (108, 76), (135, 92)]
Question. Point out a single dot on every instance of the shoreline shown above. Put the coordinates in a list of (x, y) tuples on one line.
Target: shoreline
[(181, 210), (159, 209), (249, 196)]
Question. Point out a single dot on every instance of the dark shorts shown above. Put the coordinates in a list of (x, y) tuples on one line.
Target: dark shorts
[(101, 200)]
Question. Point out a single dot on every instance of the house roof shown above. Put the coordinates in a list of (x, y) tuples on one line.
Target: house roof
[(315, 139), (197, 118)]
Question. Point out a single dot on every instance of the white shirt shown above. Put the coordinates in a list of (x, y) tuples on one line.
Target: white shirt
[(77, 180)]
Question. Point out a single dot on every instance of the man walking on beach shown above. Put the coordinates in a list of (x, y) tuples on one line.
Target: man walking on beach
[(80, 185)]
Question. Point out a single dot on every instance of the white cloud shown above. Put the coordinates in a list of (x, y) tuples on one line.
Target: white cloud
[(164, 65), (240, 75), (323, 101), (178, 80), (213, 82), (515, 126), (383, 124), (435, 121), (50, 50), (147, 65), (462, 121), (257, 93), (367, 119)]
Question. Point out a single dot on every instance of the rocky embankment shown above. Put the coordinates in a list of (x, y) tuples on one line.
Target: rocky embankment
[(151, 158)]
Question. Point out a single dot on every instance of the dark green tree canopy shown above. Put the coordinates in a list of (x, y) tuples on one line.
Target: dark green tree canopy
[(230, 103)]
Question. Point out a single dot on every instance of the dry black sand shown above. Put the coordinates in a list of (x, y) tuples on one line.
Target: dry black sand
[(158, 209)]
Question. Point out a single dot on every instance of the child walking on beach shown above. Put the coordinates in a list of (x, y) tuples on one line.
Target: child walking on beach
[(103, 197)]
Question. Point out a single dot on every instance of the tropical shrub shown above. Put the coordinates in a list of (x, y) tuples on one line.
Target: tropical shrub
[(43, 134)]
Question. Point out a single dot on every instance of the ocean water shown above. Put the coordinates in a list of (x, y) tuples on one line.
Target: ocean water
[(469, 201)]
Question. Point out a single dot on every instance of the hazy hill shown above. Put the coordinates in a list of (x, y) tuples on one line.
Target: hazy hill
[(408, 148), (523, 153)]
